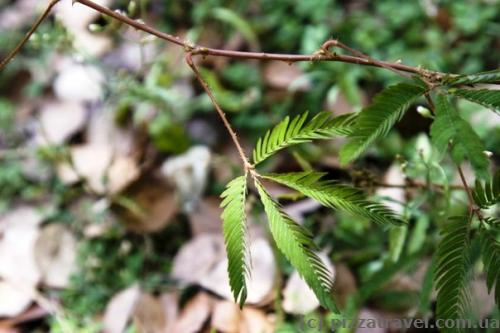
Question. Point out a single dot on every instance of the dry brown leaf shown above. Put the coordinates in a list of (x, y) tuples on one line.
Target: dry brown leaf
[(79, 83), (19, 230), (281, 75), (194, 314), (55, 254), (103, 130), (76, 18), (226, 317), (205, 218), (169, 302), (14, 299), (154, 206), (189, 172), (103, 171), (298, 297), (255, 321), (260, 282), (148, 315), (119, 310), (345, 283), (59, 121), (197, 258)]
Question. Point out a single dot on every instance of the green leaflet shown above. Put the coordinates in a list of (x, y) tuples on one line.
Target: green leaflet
[(485, 97), (491, 260), (234, 229), (290, 132), (451, 275), (375, 121), (297, 245), (488, 194), (483, 77), (337, 196), (449, 126)]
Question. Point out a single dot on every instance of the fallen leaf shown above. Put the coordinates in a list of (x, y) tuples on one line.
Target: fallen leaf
[(14, 299), (255, 321), (205, 218), (226, 317), (260, 282), (189, 172), (104, 171), (119, 310), (148, 315), (17, 246), (169, 302), (59, 121), (76, 17), (197, 258), (79, 83), (298, 297), (281, 75), (194, 314), (55, 254), (150, 205)]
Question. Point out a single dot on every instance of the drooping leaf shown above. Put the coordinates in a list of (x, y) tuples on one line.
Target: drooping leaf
[(234, 229), (297, 246), (448, 127), (298, 130), (485, 97), (375, 121), (451, 275), (491, 259), (488, 194), (338, 196), (483, 77)]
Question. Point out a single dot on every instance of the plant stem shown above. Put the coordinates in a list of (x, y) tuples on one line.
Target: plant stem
[(222, 115), (206, 51), (26, 37)]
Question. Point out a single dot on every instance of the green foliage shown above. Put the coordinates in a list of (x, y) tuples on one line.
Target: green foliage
[(375, 121), (297, 246), (491, 260), (484, 77), (338, 196), (485, 97), (451, 276), (290, 132), (234, 220), (488, 194), (449, 126)]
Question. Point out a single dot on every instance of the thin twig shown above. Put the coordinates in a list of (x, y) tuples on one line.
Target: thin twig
[(222, 115), (206, 51), (26, 37)]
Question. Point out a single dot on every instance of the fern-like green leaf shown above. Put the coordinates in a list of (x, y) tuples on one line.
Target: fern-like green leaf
[(488, 194), (485, 97), (491, 259), (483, 77), (297, 246), (298, 130), (376, 121), (234, 229), (449, 126), (338, 196), (452, 271)]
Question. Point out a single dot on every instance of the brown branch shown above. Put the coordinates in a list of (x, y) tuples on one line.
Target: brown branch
[(421, 186), (206, 51), (26, 37), (222, 115)]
